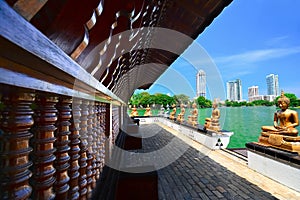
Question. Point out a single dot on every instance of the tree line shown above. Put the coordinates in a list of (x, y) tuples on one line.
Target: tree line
[(294, 102), (144, 98)]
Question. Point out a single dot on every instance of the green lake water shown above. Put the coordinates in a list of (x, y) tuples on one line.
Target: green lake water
[(245, 122)]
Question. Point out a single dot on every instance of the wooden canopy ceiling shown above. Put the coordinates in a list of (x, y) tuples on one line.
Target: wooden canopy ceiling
[(112, 39)]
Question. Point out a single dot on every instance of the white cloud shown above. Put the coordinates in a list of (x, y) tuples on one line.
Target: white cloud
[(257, 55), (277, 40)]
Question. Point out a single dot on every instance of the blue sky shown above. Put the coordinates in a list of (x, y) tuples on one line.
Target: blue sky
[(248, 40)]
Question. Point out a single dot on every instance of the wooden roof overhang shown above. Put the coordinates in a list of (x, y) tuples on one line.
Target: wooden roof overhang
[(106, 47)]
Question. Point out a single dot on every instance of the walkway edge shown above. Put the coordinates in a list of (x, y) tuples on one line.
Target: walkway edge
[(239, 167)]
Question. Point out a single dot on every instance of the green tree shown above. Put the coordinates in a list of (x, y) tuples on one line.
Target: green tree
[(182, 98), (203, 102), (135, 99), (228, 103), (163, 99)]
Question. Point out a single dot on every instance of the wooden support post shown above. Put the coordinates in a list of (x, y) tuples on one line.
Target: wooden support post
[(89, 169), (83, 150), (98, 141), (14, 142), (94, 144), (61, 144), (43, 152), (74, 151)]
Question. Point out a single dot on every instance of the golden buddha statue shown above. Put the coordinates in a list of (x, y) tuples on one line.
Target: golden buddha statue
[(134, 112), (212, 123), (283, 133), (172, 114), (193, 118), (148, 111), (180, 116)]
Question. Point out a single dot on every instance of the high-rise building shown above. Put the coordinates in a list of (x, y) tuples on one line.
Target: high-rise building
[(234, 90), (272, 85), (201, 83), (253, 94)]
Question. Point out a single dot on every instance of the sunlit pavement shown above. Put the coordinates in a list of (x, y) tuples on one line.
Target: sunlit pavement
[(204, 174)]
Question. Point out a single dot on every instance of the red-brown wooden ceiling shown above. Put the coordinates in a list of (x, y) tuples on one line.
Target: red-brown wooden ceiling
[(64, 23)]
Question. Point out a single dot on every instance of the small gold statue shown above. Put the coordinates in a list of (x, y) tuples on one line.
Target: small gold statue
[(148, 111), (172, 114), (213, 122), (283, 134), (134, 112), (180, 116), (193, 119)]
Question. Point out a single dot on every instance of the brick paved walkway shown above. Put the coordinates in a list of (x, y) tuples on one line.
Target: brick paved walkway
[(197, 176)]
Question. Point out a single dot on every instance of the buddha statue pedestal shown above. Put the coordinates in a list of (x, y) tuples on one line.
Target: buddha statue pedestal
[(277, 164), (280, 141)]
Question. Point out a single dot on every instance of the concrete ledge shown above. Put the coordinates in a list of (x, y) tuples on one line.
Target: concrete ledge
[(274, 169)]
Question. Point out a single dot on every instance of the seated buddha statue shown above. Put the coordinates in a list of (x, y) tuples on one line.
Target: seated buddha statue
[(283, 132), (212, 123), (172, 114), (193, 118), (148, 111), (180, 116), (134, 112), (285, 120)]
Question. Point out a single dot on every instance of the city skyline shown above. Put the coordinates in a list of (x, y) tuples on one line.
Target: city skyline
[(247, 44)]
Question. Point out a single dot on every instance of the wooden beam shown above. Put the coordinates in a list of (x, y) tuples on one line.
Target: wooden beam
[(22, 43), (28, 8)]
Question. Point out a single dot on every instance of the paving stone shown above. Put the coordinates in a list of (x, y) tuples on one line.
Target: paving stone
[(242, 194), (196, 176), (208, 192), (217, 193), (203, 196), (210, 187), (193, 193), (220, 189)]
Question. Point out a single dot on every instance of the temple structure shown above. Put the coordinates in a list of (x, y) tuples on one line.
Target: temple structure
[(68, 69)]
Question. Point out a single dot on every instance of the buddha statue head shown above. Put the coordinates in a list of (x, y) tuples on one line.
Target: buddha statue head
[(283, 101)]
